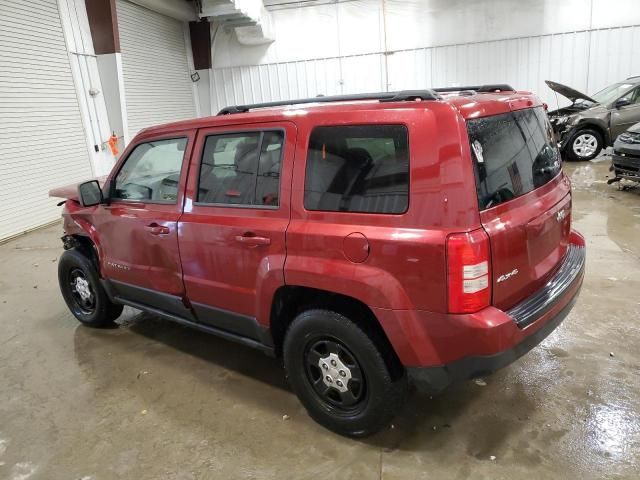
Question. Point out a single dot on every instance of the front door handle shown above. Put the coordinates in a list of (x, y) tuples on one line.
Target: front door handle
[(155, 229), (252, 240)]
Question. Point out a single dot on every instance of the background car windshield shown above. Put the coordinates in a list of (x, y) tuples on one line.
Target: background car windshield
[(513, 153), (612, 92)]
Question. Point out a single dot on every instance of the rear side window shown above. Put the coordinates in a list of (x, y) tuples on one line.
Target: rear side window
[(358, 168), (241, 169), (514, 153)]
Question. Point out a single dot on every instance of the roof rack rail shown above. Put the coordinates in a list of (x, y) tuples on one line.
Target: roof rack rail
[(489, 88), (401, 96), (633, 77)]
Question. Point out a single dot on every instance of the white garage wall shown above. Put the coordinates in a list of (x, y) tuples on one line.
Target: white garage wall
[(157, 85), (587, 61), (41, 135), (350, 27), (613, 55), (371, 45)]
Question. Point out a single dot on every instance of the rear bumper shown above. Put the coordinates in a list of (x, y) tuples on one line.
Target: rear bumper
[(437, 378), (458, 347)]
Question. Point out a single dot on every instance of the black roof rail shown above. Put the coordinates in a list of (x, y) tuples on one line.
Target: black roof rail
[(633, 77), (401, 96), (489, 88)]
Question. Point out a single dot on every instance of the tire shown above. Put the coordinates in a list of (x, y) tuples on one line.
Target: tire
[(372, 397), (82, 291), (584, 144)]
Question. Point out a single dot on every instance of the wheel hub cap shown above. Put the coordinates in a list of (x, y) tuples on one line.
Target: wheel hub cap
[(82, 287), (335, 374), (585, 145)]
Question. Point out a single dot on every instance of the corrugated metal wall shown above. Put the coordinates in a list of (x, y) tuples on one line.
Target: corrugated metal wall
[(586, 60), (614, 54)]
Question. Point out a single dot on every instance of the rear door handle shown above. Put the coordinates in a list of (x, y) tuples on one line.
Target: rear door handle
[(155, 229), (252, 240)]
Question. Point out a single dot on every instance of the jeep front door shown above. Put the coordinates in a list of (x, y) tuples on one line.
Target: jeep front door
[(232, 232), (138, 227), (625, 116)]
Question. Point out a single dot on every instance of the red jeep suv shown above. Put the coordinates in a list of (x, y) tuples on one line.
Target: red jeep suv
[(365, 239)]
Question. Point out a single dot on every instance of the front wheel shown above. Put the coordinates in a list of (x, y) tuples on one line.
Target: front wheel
[(584, 144), (82, 291), (340, 375)]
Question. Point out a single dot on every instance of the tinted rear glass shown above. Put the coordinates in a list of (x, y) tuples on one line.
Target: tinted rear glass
[(358, 168), (514, 153)]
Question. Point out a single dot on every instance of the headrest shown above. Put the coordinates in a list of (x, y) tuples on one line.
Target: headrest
[(359, 157)]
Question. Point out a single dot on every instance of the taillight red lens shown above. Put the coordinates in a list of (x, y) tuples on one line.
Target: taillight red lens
[(468, 272)]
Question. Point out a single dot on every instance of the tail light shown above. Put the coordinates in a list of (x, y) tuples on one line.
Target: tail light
[(468, 272)]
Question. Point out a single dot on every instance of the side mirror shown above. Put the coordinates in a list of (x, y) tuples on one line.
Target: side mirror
[(90, 193), (622, 102)]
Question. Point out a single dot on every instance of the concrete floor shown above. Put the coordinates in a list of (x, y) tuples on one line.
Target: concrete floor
[(155, 400)]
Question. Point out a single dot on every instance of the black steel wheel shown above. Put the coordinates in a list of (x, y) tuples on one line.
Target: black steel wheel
[(81, 289), (82, 294), (339, 373), (335, 375)]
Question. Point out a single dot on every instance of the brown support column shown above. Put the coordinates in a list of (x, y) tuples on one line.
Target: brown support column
[(103, 23), (200, 33)]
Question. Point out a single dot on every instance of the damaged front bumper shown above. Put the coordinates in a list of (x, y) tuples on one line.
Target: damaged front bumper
[(562, 131), (625, 162)]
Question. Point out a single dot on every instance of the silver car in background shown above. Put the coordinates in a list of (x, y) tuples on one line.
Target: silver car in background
[(592, 123)]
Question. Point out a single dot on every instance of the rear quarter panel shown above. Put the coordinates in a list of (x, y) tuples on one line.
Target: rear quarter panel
[(406, 267)]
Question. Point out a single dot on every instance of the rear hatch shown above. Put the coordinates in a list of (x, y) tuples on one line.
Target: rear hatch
[(524, 200)]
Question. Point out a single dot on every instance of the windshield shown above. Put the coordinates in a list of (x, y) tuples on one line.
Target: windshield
[(514, 153), (612, 92)]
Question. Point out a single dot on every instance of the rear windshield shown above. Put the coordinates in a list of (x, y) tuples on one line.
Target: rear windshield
[(514, 153)]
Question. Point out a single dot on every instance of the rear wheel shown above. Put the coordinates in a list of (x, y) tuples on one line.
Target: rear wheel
[(340, 375), (82, 291), (584, 144)]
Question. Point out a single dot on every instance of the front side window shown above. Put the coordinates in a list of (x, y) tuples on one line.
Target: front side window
[(241, 169), (151, 172), (633, 97), (358, 168), (514, 153)]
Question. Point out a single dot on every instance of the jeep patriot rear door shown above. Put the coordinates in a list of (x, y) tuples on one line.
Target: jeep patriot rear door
[(232, 231)]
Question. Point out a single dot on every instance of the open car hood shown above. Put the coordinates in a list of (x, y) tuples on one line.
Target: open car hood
[(570, 93), (70, 192)]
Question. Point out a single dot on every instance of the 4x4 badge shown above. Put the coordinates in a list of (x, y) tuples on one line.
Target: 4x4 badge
[(507, 276)]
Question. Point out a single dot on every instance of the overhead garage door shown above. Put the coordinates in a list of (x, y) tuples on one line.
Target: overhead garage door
[(157, 85), (42, 140)]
